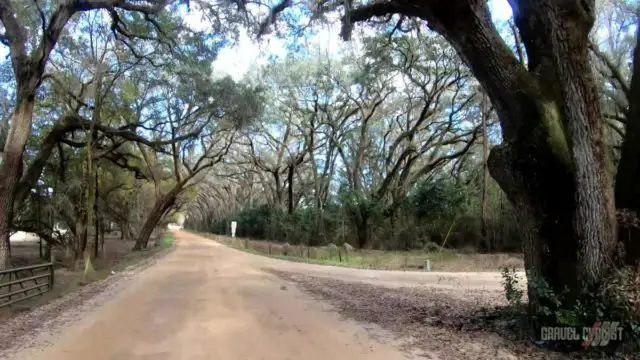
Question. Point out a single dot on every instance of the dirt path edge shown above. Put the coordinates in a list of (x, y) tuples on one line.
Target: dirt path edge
[(40, 325)]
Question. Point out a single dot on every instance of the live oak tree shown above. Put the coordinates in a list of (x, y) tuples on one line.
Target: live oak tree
[(30, 50), (427, 124), (553, 162), (617, 61), (88, 79), (372, 126), (213, 112)]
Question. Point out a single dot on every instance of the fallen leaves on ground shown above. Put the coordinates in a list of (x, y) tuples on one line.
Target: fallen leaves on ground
[(452, 324)]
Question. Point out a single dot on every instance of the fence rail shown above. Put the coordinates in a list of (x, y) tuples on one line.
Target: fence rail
[(33, 280)]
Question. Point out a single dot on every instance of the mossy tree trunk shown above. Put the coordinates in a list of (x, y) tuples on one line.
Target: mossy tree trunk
[(159, 210)]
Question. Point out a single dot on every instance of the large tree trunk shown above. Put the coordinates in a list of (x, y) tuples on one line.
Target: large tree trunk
[(96, 218), (102, 231), (542, 193), (562, 191), (81, 235), (485, 243), (277, 197), (153, 219), (362, 231), (553, 163), (11, 170), (291, 205), (628, 177), (159, 209)]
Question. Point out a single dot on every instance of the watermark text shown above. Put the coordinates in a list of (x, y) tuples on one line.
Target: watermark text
[(600, 334)]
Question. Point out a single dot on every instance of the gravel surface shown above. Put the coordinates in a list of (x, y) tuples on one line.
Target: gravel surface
[(446, 324), (205, 301), (40, 327), (227, 304)]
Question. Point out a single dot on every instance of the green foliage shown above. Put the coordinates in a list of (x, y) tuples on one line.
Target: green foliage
[(614, 301), (440, 198), (358, 205), (307, 226), (512, 287), (166, 241), (424, 218)]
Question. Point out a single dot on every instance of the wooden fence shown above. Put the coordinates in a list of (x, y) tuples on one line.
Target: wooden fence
[(33, 280)]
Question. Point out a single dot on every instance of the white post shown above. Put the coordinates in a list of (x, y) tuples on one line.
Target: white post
[(234, 224), (427, 265)]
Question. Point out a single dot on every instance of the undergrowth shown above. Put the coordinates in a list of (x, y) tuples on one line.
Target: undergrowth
[(618, 301)]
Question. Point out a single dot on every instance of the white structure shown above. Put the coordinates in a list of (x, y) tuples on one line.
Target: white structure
[(180, 218), (234, 224), (21, 236)]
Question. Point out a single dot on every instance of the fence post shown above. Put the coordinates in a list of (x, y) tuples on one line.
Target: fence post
[(427, 265), (52, 271)]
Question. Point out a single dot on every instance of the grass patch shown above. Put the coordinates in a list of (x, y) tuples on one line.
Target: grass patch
[(167, 241), (449, 260)]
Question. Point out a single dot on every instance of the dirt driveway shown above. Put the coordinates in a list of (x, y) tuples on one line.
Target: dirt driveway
[(207, 301)]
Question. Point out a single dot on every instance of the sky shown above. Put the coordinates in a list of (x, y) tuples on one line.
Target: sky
[(248, 54), (236, 61)]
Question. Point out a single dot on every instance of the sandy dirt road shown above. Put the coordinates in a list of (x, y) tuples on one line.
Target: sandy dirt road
[(490, 281), (207, 301)]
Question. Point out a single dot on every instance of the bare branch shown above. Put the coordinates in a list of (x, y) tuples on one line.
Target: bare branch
[(613, 69), (273, 15)]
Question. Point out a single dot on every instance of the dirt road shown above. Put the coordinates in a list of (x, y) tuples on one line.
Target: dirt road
[(206, 301), (393, 279)]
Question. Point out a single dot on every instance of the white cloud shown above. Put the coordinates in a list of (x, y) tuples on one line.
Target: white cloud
[(248, 54), (500, 10)]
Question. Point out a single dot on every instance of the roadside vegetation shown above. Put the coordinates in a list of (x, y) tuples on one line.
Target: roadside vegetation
[(415, 260), (117, 257), (166, 241)]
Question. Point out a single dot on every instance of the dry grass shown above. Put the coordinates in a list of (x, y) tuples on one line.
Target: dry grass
[(117, 255), (440, 260)]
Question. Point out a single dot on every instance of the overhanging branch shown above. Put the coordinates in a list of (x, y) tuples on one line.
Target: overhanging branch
[(273, 16), (613, 69)]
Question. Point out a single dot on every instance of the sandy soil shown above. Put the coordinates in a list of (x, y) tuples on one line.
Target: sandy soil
[(439, 323), (207, 301), (393, 279)]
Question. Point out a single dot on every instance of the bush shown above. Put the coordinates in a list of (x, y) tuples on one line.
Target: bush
[(432, 209), (437, 198), (307, 226), (431, 247), (618, 301), (166, 241)]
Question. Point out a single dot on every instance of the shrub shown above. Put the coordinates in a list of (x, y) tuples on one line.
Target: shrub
[(617, 301)]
